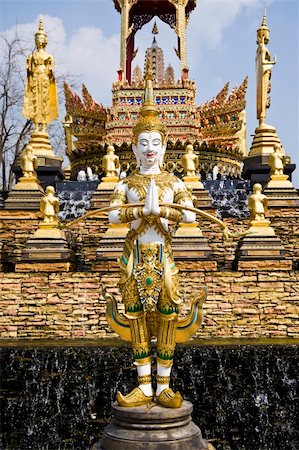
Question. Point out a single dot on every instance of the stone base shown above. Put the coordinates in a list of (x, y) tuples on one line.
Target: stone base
[(49, 168), (188, 243), (46, 250), (152, 429), (27, 199), (101, 196), (265, 265), (45, 267), (110, 249), (41, 145), (257, 250), (203, 199), (2, 199), (112, 243), (257, 169), (281, 192), (265, 138), (261, 228)]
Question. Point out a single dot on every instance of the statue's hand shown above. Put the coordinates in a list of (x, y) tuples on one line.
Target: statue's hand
[(146, 210), (155, 208)]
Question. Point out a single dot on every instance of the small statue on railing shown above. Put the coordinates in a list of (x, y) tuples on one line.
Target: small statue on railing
[(190, 162), (110, 165), (28, 162), (277, 160), (49, 206), (257, 203)]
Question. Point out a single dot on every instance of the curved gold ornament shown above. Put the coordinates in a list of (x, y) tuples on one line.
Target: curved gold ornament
[(204, 214), (186, 326)]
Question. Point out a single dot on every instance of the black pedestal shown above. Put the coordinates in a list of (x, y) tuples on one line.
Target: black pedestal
[(156, 428)]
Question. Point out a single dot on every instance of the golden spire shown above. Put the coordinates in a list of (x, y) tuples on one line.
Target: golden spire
[(264, 21), (149, 90), (148, 117), (40, 27)]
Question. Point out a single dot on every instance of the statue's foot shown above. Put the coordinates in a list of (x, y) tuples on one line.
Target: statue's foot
[(135, 398), (169, 399)]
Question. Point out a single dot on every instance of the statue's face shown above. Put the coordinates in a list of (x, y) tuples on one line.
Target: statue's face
[(40, 41), (149, 149)]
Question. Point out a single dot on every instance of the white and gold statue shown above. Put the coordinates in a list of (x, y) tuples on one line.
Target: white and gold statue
[(28, 162), (40, 100), (149, 276), (190, 162), (110, 164), (49, 206)]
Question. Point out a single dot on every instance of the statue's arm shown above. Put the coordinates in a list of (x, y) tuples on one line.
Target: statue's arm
[(265, 204), (42, 205), (29, 65), (119, 197), (56, 206), (183, 197), (104, 162), (51, 66)]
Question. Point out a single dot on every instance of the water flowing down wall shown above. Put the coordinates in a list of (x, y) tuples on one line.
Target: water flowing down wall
[(245, 397)]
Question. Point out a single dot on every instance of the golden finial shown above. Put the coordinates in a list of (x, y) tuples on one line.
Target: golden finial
[(148, 116), (264, 21), (149, 90), (155, 29), (40, 27)]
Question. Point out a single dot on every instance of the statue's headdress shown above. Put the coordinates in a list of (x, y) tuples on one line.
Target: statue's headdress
[(263, 31), (149, 115), (40, 31)]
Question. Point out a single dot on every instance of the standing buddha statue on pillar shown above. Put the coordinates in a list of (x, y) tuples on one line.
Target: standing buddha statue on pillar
[(263, 72), (40, 100)]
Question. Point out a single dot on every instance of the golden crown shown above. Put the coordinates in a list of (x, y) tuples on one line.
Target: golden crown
[(149, 115), (40, 30)]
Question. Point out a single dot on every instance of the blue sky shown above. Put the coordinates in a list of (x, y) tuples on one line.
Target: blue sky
[(221, 43)]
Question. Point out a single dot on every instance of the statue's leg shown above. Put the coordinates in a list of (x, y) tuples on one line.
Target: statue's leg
[(140, 339), (141, 351), (165, 351)]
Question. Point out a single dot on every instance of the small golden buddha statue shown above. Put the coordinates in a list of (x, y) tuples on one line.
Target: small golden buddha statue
[(110, 164), (277, 160), (190, 162), (28, 162), (49, 207), (257, 203)]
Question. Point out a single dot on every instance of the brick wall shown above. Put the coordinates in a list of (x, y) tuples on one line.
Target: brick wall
[(69, 305)]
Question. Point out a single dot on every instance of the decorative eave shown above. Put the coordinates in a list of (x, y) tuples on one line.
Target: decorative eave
[(88, 107), (223, 103), (150, 4)]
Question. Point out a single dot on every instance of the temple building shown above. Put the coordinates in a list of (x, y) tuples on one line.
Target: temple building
[(216, 129)]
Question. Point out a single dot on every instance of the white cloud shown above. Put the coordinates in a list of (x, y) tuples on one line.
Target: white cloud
[(88, 55), (212, 17)]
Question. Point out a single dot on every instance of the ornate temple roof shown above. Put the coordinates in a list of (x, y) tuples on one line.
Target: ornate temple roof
[(217, 129)]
